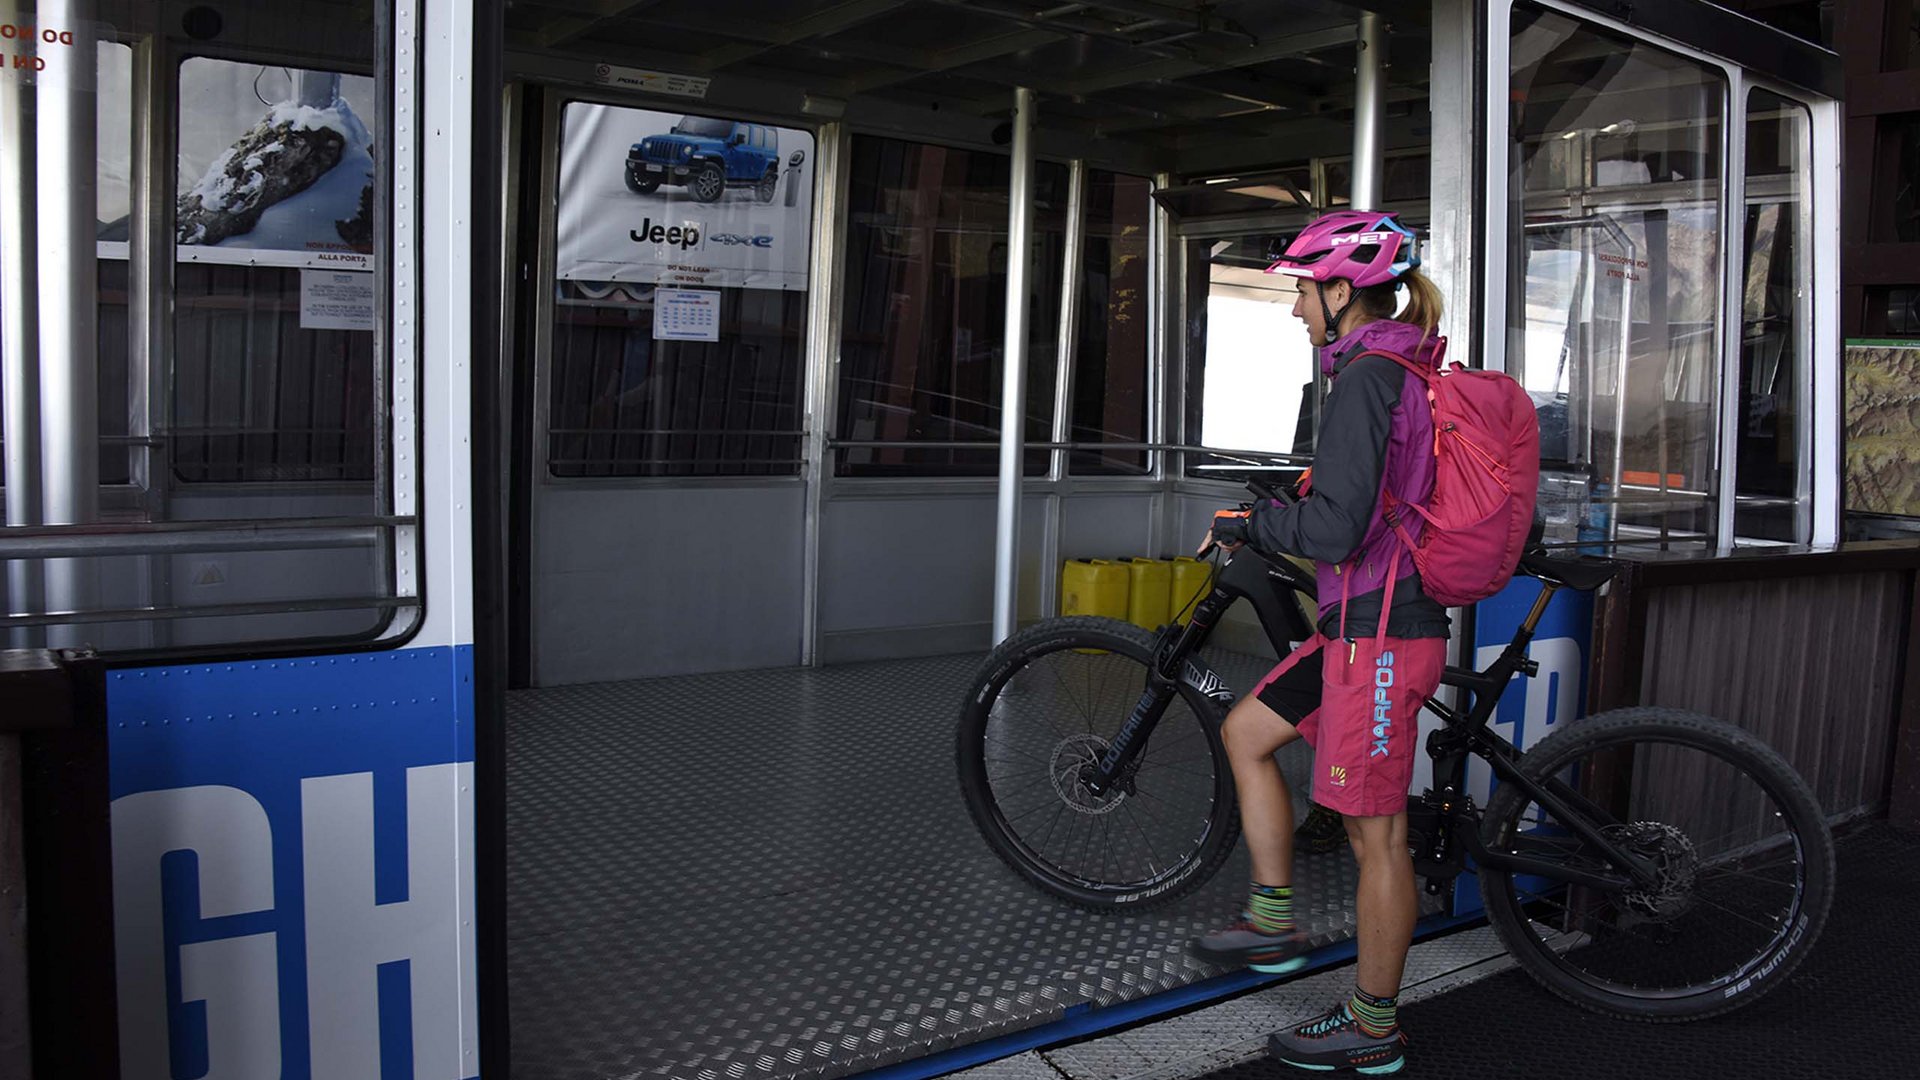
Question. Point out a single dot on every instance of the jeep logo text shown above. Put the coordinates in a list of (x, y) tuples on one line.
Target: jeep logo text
[(649, 233)]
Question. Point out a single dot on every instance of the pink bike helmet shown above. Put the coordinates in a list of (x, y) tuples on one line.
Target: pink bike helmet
[(1362, 246)]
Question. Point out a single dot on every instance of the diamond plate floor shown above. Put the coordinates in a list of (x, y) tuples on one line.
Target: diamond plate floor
[(772, 874)]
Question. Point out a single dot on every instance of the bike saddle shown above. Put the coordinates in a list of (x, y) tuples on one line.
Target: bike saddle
[(1579, 573)]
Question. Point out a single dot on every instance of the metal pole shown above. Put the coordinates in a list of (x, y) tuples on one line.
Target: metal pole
[(831, 178), (150, 296), (1066, 351), (1068, 340), (69, 341), (1167, 366), (1448, 257), (1013, 392), (19, 304), (1370, 74)]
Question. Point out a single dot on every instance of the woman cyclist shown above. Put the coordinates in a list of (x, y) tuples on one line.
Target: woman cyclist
[(1381, 643)]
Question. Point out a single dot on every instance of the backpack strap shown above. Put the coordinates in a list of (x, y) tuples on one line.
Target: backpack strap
[(1386, 606), (1424, 374), (1389, 504)]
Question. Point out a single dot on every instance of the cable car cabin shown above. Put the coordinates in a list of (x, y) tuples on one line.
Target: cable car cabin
[(538, 477)]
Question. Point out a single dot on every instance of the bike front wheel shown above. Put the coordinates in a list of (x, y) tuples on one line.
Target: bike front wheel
[(1740, 852), (1041, 714)]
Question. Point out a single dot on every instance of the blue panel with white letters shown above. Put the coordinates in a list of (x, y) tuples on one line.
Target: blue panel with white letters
[(1531, 709), (292, 866)]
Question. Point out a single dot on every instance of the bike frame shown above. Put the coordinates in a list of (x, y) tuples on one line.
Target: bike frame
[(1267, 582)]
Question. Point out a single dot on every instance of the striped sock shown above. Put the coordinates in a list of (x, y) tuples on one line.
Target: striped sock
[(1270, 908), (1375, 1015)]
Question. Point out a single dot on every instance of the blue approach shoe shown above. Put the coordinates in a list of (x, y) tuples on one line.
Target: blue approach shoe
[(1244, 945), (1333, 1040)]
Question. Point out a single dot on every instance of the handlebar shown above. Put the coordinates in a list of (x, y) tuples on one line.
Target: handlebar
[(1262, 492)]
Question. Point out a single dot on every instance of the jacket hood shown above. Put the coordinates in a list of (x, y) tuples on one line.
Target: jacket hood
[(1385, 335)]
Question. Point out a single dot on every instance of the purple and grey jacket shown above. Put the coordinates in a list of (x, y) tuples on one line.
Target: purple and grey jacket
[(1377, 433)]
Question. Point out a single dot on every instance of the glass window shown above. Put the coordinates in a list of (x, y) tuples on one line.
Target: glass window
[(680, 305), (1614, 307), (625, 403), (1110, 362), (274, 209), (923, 330), (1893, 311), (259, 250), (1902, 38), (1775, 321), (1252, 381), (1896, 179)]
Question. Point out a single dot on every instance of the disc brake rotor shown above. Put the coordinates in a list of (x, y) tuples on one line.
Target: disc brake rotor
[(1675, 864), (1073, 758)]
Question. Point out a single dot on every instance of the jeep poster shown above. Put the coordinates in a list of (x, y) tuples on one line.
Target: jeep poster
[(672, 199)]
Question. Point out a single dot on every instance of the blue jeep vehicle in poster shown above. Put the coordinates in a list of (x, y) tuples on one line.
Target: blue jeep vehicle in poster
[(707, 156)]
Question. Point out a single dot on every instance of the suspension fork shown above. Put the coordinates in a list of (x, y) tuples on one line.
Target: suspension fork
[(1165, 668)]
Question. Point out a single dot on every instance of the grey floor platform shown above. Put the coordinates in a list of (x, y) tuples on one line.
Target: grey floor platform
[(1219, 1036), (772, 874)]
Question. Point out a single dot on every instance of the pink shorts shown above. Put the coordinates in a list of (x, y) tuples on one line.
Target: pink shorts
[(1366, 729)]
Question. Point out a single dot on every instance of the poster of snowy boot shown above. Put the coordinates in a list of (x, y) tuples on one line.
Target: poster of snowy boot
[(275, 166)]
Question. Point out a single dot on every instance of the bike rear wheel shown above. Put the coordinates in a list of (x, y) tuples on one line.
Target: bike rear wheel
[(1743, 854), (1042, 711)]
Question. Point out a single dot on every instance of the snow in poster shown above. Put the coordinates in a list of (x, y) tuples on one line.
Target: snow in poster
[(275, 167), (666, 199)]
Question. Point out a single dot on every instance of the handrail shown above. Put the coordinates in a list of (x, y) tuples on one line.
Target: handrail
[(171, 537), (210, 611), (959, 444)]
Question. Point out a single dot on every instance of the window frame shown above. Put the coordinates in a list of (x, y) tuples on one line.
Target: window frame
[(1820, 414), (1806, 304), (545, 266), (1284, 222), (164, 172), (399, 548), (948, 483)]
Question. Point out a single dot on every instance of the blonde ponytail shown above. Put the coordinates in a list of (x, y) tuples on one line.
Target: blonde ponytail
[(1424, 303)]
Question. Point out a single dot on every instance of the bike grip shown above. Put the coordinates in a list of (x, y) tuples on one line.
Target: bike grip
[(1229, 527)]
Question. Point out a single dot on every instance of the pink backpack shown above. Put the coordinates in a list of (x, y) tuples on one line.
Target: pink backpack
[(1486, 437)]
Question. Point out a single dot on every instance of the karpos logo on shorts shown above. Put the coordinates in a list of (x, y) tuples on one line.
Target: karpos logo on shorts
[(1382, 707), (1338, 774)]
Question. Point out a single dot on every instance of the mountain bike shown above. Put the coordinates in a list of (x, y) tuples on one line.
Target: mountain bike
[(1643, 862)]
